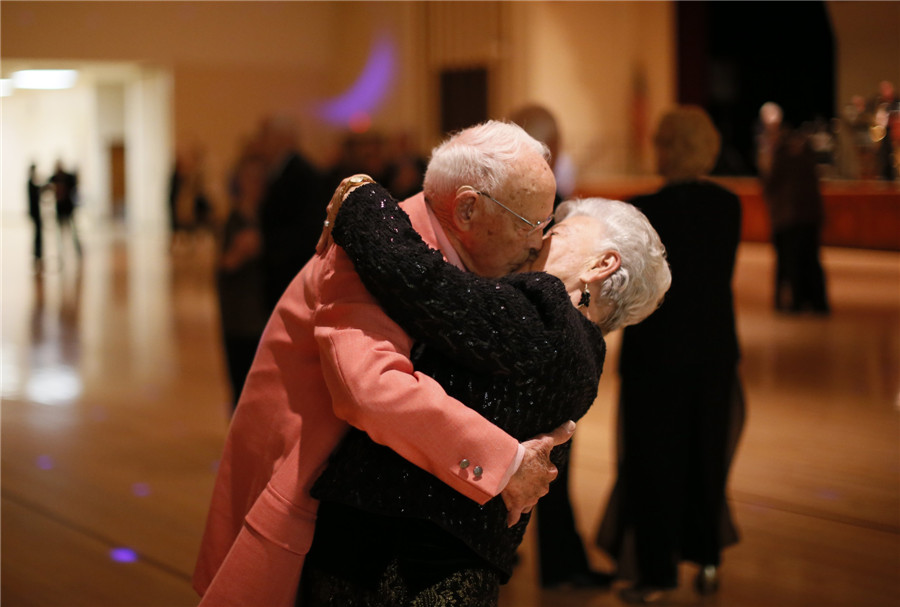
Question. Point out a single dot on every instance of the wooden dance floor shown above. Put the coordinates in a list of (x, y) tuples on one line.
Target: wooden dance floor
[(114, 411)]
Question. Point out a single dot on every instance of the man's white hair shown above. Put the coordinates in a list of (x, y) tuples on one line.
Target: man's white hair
[(482, 156)]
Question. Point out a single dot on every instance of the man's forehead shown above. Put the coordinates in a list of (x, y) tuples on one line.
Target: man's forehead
[(532, 175)]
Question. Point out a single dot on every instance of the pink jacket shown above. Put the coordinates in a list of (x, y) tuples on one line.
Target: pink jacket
[(329, 358)]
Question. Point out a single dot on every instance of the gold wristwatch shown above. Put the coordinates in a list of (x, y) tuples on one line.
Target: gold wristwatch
[(355, 181)]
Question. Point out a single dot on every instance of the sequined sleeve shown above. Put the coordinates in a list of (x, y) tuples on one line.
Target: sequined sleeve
[(503, 324)]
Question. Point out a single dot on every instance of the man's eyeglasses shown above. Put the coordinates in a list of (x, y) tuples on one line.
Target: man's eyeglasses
[(539, 226)]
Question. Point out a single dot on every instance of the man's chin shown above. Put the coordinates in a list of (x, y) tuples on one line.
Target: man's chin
[(525, 267), (528, 264)]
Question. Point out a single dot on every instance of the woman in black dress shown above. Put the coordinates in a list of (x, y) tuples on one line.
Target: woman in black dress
[(526, 351), (680, 408)]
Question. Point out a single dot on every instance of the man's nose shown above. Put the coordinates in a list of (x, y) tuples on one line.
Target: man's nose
[(536, 240)]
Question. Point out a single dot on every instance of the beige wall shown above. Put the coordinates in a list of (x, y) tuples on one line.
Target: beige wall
[(867, 49), (283, 34), (580, 59), (607, 69), (233, 62)]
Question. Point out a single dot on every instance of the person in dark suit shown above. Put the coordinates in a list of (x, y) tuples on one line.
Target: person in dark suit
[(681, 405), (292, 210), (64, 186), (34, 211), (239, 274), (790, 184)]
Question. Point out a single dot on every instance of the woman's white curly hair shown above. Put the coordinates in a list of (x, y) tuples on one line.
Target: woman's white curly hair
[(637, 288)]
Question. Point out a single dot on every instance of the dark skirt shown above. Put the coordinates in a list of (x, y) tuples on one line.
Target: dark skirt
[(799, 277), (368, 560), (669, 501)]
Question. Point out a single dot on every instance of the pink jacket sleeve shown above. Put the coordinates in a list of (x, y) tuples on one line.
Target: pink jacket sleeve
[(365, 359)]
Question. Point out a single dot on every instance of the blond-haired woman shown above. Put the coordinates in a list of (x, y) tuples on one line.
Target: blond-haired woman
[(680, 406)]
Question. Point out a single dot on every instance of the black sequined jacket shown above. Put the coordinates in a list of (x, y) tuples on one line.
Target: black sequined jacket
[(515, 349)]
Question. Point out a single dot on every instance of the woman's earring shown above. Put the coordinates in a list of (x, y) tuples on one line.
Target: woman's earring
[(585, 300)]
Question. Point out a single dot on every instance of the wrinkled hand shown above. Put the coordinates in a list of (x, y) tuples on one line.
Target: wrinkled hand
[(532, 480), (334, 205)]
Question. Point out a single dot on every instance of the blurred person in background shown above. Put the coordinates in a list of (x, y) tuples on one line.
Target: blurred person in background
[(790, 184), (190, 208), (35, 190), (65, 189), (852, 136), (360, 153), (769, 132), (860, 119), (239, 277), (681, 406), (886, 127), (291, 211), (406, 169), (539, 122)]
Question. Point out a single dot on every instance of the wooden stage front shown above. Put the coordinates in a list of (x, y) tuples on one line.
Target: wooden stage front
[(858, 214)]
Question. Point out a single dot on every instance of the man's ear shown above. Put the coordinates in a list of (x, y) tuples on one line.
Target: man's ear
[(603, 267), (464, 209)]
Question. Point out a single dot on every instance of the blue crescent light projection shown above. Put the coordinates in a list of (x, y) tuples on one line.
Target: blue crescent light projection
[(369, 90)]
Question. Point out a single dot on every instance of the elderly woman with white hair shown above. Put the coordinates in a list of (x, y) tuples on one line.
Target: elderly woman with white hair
[(681, 405), (526, 351)]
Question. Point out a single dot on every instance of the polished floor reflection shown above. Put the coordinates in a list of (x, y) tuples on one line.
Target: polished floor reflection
[(114, 409)]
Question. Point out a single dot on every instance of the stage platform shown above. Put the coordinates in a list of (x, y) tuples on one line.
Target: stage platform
[(858, 214)]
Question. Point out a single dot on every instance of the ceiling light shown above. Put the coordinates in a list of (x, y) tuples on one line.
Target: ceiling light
[(44, 79)]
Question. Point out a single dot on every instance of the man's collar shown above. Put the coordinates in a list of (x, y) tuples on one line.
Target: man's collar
[(444, 243)]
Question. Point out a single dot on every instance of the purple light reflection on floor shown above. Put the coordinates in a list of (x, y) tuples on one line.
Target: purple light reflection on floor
[(45, 462), (123, 555), (140, 489), (829, 494)]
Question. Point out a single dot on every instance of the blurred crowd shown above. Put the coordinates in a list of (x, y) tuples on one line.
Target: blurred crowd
[(269, 225), (63, 184), (863, 142)]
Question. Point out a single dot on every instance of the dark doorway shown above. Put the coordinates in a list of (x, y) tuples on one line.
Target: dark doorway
[(464, 98), (117, 179)]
